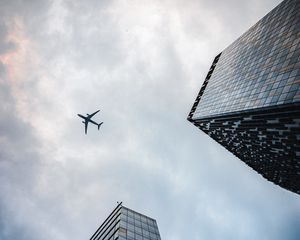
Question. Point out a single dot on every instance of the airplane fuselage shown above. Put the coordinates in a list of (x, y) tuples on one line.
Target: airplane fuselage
[(88, 119)]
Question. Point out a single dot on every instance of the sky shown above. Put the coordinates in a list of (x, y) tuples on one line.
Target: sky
[(142, 64)]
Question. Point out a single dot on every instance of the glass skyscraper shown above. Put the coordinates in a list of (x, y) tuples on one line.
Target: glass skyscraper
[(250, 99), (126, 224)]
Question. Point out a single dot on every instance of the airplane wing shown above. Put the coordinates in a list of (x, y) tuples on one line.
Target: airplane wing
[(90, 120), (91, 115), (82, 116), (85, 126)]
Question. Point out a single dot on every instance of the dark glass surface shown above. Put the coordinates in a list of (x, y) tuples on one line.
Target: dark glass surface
[(135, 226), (260, 69), (126, 224)]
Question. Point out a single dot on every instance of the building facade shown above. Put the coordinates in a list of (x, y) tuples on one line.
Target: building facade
[(250, 99), (126, 224)]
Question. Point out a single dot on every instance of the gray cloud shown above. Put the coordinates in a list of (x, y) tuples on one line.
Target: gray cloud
[(5, 45), (142, 64), (19, 167)]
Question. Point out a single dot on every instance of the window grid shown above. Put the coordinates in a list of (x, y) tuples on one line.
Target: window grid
[(261, 68)]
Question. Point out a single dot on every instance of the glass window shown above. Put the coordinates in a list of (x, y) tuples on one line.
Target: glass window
[(245, 73), (122, 232)]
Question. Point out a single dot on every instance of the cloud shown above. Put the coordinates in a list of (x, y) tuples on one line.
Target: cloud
[(142, 64), (5, 45), (19, 166)]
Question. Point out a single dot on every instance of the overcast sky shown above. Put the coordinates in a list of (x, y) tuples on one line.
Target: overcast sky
[(142, 63)]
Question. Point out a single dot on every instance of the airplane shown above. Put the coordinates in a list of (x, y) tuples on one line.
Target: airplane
[(88, 119)]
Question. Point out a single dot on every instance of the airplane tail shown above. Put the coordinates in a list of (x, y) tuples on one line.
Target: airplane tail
[(99, 125)]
